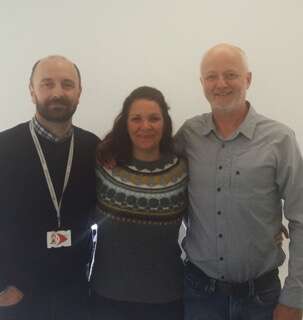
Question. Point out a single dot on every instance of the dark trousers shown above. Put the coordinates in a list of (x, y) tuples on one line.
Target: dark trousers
[(108, 309), (68, 303), (206, 300)]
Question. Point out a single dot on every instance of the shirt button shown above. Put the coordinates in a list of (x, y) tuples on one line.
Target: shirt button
[(220, 235), (218, 189), (219, 212), (238, 172), (221, 258), (220, 167)]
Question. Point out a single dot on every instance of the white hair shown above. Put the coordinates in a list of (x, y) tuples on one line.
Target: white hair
[(228, 47)]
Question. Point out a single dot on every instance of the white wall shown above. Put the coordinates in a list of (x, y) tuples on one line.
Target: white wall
[(119, 45)]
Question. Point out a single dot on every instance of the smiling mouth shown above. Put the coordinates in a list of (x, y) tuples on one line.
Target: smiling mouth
[(222, 94), (145, 137), (58, 106)]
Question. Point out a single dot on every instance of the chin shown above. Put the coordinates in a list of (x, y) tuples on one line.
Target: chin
[(147, 149), (223, 106), (216, 107)]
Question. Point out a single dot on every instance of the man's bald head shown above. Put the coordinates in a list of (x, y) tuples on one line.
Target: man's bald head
[(54, 57), (228, 49)]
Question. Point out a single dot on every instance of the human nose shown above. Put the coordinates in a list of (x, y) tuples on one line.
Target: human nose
[(57, 91), (221, 82), (145, 124)]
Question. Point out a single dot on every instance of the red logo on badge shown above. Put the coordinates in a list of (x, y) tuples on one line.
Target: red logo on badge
[(58, 238)]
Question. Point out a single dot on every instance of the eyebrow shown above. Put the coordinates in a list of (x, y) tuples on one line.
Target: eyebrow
[(68, 80), (228, 70), (46, 79), (151, 114), (64, 80)]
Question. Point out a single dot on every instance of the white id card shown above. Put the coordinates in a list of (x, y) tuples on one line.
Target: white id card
[(58, 239)]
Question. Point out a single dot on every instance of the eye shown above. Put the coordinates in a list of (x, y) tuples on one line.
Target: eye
[(211, 77), (135, 119), (47, 84), (66, 84), (231, 76), (155, 118)]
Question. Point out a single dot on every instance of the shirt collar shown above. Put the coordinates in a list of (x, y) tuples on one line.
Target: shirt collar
[(247, 127), (42, 132)]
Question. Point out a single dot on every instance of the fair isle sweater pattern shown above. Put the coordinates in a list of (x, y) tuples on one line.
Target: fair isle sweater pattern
[(136, 193)]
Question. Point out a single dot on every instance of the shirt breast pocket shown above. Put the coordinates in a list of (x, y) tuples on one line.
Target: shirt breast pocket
[(253, 173)]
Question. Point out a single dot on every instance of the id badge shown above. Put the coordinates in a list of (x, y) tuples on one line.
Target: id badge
[(59, 239)]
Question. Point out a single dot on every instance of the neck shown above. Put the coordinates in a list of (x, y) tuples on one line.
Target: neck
[(228, 122), (148, 156), (58, 129)]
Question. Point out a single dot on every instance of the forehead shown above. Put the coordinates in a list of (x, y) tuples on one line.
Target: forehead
[(221, 60), (144, 106), (56, 69)]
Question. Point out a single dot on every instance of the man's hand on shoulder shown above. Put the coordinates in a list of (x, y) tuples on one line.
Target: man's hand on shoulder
[(10, 296), (283, 312)]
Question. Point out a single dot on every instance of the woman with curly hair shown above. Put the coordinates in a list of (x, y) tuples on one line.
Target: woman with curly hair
[(138, 272)]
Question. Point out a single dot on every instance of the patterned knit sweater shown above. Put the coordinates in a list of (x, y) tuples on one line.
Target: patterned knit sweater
[(139, 211)]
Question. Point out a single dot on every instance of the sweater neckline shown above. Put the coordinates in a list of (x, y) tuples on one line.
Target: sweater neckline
[(161, 163)]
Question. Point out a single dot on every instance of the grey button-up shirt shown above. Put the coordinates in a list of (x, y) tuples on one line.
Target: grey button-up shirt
[(236, 188)]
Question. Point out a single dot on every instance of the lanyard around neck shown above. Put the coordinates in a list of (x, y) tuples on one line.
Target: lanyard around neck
[(49, 182)]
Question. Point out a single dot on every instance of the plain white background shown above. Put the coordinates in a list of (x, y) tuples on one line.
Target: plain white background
[(119, 45)]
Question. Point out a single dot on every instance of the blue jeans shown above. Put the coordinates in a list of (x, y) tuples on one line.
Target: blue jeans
[(203, 302)]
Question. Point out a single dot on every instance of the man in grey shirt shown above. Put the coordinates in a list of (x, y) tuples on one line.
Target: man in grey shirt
[(242, 166)]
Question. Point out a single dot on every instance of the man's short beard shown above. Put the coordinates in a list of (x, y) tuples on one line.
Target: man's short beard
[(46, 112)]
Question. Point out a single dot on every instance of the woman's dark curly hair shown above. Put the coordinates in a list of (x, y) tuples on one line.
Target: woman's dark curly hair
[(117, 144)]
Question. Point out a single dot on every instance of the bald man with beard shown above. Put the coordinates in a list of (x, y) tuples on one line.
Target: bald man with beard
[(47, 185), (242, 167)]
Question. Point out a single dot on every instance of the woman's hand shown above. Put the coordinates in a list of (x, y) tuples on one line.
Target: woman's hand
[(10, 296), (283, 234)]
